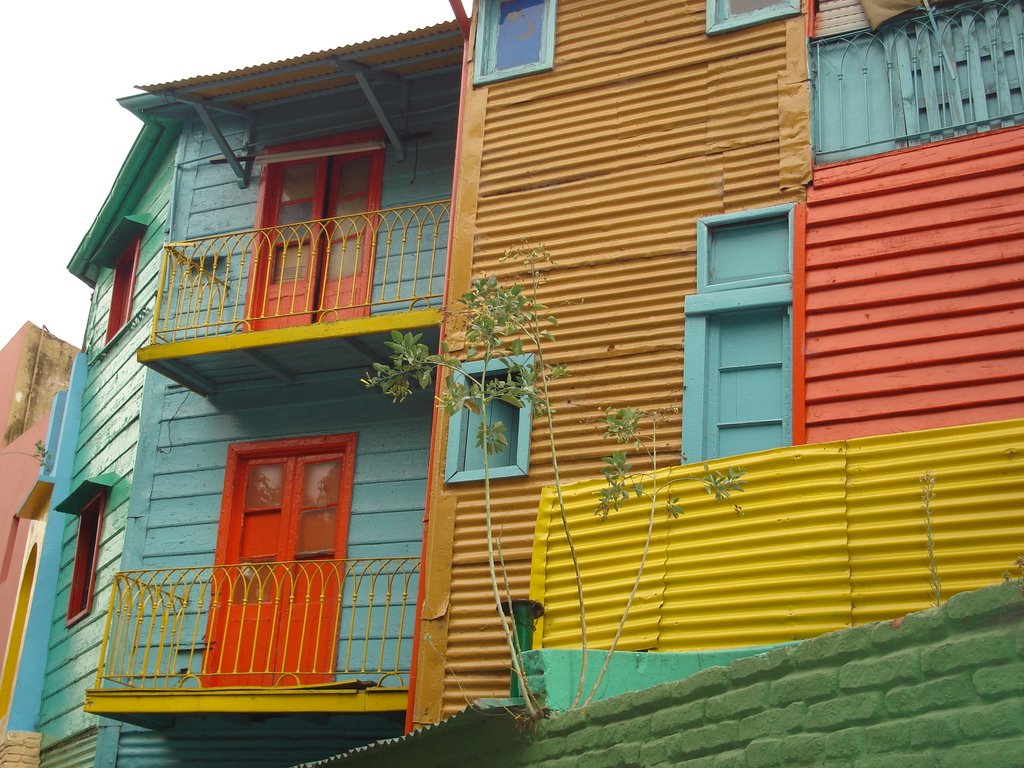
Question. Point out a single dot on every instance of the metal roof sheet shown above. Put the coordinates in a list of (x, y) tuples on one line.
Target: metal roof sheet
[(407, 54)]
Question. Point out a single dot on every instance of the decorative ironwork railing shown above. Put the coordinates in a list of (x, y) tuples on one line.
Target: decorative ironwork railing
[(391, 260), (268, 624), (918, 80)]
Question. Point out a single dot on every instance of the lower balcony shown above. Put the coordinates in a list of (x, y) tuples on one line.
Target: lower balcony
[(232, 307), (951, 72), (314, 636)]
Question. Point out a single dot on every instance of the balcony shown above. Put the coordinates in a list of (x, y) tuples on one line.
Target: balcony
[(918, 80), (302, 636), (230, 307)]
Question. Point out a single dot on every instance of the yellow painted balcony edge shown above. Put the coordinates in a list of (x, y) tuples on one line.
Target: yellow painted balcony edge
[(174, 350), (245, 700)]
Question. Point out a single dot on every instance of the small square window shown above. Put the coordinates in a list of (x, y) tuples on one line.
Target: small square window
[(83, 575), (514, 37), (465, 459), (726, 15), (123, 288)]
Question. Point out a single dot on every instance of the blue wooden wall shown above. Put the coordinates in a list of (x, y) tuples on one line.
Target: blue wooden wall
[(209, 200), (184, 484), (106, 441)]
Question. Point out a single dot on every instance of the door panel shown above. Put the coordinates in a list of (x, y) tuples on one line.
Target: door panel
[(314, 267), (275, 603)]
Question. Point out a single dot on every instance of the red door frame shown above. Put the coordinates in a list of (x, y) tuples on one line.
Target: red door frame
[(229, 539), (267, 215)]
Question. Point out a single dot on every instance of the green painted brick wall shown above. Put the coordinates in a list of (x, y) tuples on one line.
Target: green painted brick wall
[(943, 688)]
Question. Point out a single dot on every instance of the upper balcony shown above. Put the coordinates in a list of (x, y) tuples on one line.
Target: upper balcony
[(306, 210), (258, 637), (230, 307), (918, 79)]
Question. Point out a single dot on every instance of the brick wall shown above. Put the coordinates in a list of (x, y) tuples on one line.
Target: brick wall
[(19, 749), (942, 688)]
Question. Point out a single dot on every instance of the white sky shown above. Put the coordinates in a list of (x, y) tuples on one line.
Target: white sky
[(64, 63)]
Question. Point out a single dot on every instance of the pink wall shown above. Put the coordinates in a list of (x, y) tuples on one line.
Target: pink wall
[(915, 289), (19, 470)]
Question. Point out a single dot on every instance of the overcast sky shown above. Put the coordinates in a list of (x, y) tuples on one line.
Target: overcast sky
[(64, 65)]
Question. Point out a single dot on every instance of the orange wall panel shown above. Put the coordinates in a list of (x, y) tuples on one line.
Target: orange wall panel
[(915, 289)]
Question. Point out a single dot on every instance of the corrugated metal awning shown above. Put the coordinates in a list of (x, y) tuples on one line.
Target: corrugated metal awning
[(392, 58)]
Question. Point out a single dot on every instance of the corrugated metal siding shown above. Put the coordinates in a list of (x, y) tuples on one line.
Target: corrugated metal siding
[(831, 535), (76, 752), (836, 16), (915, 295), (225, 742), (645, 124), (977, 521)]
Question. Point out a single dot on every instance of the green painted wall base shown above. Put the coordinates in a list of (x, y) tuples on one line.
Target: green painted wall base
[(554, 673)]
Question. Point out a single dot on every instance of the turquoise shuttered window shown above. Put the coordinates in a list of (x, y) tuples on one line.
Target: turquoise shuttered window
[(514, 37), (464, 460), (905, 85), (738, 353)]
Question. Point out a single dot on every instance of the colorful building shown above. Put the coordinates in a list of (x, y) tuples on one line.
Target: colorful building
[(801, 243), (34, 367), (257, 516), (780, 231)]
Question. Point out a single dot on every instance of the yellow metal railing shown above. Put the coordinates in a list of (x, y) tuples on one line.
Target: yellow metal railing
[(268, 624), (391, 260)]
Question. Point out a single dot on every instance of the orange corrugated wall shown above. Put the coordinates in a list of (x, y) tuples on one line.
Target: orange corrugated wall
[(645, 124), (915, 289)]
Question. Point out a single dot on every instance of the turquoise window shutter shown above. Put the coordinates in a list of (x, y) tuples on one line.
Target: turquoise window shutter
[(738, 353)]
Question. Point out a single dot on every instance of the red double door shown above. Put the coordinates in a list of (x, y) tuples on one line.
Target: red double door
[(313, 261), (277, 585)]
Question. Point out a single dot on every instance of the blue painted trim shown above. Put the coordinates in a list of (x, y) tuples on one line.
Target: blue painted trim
[(487, 40), (740, 298), (706, 224), (459, 439), (735, 296), (65, 418), (719, 19), (154, 389)]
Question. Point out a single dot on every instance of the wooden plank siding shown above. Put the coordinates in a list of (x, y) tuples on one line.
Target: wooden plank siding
[(915, 296), (191, 436), (645, 124), (106, 442), (210, 201)]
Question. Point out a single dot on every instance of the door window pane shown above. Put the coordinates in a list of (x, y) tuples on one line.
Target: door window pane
[(321, 483), (317, 529), (263, 485)]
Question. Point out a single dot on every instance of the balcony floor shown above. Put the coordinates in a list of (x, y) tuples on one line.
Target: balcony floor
[(207, 366), (153, 707)]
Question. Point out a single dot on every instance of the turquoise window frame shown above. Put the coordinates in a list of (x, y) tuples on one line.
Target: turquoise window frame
[(714, 300), (720, 20), (461, 443), (485, 66)]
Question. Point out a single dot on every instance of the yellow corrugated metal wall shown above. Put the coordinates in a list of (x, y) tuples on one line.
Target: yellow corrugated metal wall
[(645, 124), (831, 535)]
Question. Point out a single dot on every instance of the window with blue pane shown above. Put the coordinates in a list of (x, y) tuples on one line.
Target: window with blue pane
[(464, 460), (514, 37)]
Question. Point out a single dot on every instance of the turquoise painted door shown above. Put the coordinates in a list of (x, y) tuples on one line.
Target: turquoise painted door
[(748, 387)]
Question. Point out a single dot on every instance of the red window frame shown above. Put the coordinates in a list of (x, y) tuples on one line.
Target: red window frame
[(121, 293), (268, 211), (240, 454), (87, 549)]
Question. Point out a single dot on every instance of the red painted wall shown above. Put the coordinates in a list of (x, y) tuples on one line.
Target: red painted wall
[(915, 290)]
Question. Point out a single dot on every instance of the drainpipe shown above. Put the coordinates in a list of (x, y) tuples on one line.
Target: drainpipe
[(431, 473), (524, 615)]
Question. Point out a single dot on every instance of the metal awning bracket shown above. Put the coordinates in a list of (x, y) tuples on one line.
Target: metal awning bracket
[(242, 173), (363, 75)]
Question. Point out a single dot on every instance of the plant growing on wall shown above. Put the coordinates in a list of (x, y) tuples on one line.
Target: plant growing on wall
[(501, 322)]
